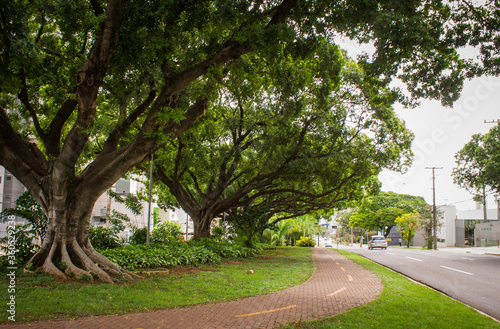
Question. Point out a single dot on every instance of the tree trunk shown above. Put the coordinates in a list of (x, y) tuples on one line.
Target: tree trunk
[(202, 223), (66, 249)]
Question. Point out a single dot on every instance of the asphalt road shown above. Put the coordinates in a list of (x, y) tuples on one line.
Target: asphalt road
[(473, 279)]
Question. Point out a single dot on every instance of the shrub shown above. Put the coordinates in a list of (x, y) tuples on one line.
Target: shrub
[(139, 236), (167, 232), (226, 249), (192, 253), (103, 238), (139, 256), (305, 242), (24, 247)]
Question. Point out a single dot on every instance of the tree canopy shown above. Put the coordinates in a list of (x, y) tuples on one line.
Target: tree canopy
[(408, 224), (295, 136), (477, 24), (478, 162), (379, 212), (89, 89)]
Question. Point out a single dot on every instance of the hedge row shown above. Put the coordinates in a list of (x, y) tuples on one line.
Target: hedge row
[(140, 256)]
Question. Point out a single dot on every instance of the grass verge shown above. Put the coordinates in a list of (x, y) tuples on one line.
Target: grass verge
[(403, 304), (40, 297)]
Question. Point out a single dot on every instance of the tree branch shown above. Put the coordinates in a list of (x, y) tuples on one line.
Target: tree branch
[(113, 138)]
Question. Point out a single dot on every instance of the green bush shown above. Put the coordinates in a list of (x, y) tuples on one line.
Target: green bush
[(192, 253), (167, 232), (139, 236), (24, 247), (103, 238), (226, 249), (139, 256), (305, 242)]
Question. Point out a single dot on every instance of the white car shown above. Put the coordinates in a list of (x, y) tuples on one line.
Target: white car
[(377, 242)]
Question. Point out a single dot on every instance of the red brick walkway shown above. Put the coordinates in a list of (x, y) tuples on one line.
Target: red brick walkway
[(337, 285)]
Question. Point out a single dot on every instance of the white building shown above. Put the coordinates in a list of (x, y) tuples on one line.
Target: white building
[(460, 227)]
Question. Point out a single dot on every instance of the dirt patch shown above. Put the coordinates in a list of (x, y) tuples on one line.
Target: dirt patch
[(234, 262), (267, 257)]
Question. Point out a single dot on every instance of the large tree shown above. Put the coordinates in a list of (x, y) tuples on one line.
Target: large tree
[(379, 212), (89, 87), (478, 162), (294, 136)]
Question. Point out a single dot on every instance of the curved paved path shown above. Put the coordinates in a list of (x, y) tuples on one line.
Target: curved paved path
[(337, 285)]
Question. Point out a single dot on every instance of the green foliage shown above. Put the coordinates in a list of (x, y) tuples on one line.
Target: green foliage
[(167, 232), (285, 232), (305, 242), (285, 132), (139, 256), (30, 210), (27, 237), (249, 222), (277, 63), (380, 211), (103, 238), (408, 224), (24, 238), (478, 25), (478, 162), (217, 233), (132, 202), (139, 236), (226, 249), (194, 253)]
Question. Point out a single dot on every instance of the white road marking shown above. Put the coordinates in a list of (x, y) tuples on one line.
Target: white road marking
[(454, 269), (418, 260), (390, 253)]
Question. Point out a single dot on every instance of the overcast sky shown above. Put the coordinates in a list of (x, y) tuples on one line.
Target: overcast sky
[(439, 133)]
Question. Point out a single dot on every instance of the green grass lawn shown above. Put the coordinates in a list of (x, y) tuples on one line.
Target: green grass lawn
[(404, 304), (40, 297)]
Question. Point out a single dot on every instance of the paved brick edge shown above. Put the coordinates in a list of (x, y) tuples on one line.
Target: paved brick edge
[(337, 285)]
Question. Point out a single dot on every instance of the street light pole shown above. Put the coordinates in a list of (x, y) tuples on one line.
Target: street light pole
[(485, 216), (434, 219), (149, 208)]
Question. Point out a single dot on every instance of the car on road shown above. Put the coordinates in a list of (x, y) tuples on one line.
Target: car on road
[(377, 241)]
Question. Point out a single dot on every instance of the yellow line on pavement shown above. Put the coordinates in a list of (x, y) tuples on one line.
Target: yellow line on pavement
[(350, 278), (337, 292), (343, 269), (263, 312)]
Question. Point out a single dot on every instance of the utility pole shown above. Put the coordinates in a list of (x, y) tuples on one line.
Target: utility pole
[(484, 192), (434, 219)]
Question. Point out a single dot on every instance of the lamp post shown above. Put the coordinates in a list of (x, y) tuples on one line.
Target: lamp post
[(149, 201)]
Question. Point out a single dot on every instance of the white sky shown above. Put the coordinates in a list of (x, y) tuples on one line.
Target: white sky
[(441, 132)]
